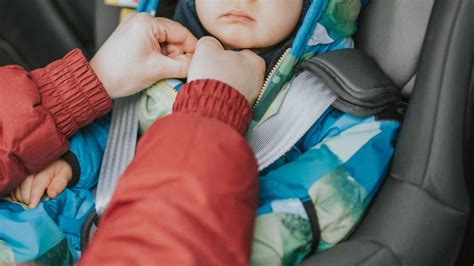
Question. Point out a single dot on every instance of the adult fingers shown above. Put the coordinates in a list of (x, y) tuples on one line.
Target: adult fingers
[(174, 33), (172, 50)]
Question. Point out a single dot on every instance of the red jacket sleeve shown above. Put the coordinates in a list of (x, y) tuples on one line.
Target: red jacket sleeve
[(40, 110), (190, 195)]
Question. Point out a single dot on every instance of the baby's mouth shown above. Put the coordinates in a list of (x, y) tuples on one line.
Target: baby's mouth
[(238, 16)]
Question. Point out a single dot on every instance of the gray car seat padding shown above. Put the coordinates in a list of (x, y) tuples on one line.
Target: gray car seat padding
[(392, 33), (362, 87), (397, 54), (421, 210), (407, 90), (435, 116), (409, 223), (359, 253)]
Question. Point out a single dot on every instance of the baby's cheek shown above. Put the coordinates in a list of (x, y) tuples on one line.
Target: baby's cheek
[(265, 35), (277, 32)]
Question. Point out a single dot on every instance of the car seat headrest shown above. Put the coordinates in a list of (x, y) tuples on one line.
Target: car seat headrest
[(392, 33)]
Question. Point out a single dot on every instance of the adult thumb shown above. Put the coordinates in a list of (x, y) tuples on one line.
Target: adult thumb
[(208, 46), (166, 67)]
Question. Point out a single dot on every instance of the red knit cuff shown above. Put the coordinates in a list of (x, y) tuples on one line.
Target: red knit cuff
[(71, 92), (215, 99)]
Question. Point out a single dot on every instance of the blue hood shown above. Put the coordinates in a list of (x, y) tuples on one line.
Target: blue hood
[(326, 25)]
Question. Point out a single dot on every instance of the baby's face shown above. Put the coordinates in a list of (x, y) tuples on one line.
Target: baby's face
[(245, 24)]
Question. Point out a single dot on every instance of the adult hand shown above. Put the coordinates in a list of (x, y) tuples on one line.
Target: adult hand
[(242, 70), (141, 51)]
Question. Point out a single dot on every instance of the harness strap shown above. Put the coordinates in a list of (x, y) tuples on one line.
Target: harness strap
[(314, 222), (120, 149), (306, 101)]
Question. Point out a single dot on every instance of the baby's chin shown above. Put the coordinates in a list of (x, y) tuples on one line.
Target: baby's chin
[(236, 44), (235, 37)]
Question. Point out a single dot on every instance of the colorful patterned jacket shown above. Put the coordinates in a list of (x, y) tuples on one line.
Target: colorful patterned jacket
[(311, 198)]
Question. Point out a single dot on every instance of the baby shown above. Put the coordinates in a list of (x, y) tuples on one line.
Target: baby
[(52, 180), (264, 26), (313, 196)]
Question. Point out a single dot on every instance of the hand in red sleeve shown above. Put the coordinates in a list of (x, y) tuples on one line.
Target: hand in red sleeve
[(141, 51), (242, 70)]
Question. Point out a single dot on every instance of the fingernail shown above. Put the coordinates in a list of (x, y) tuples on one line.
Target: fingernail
[(52, 194)]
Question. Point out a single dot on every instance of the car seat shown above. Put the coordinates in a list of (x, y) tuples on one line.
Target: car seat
[(420, 214)]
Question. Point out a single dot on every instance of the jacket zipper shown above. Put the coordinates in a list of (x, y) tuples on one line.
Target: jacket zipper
[(270, 76)]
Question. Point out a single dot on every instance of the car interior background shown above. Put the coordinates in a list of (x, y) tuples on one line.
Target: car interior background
[(418, 44)]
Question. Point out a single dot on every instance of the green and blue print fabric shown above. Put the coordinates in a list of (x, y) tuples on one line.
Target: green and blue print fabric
[(337, 166)]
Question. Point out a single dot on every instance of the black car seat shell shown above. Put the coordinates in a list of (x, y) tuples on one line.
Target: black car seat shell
[(34, 33), (107, 18), (420, 214), (466, 255)]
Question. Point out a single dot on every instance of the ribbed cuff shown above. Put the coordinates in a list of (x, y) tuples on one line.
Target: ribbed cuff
[(215, 99), (72, 160), (71, 92)]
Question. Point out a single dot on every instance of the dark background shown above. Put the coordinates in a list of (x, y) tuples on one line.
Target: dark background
[(35, 32)]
